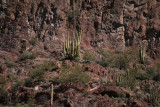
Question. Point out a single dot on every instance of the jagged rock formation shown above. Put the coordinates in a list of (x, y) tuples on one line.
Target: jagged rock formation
[(106, 23)]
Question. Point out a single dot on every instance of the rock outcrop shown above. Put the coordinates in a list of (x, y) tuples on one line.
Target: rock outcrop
[(104, 23)]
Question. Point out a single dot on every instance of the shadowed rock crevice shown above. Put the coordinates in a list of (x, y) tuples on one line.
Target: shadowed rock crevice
[(42, 97)]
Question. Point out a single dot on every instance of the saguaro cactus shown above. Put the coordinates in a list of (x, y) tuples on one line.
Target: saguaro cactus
[(142, 53), (71, 47)]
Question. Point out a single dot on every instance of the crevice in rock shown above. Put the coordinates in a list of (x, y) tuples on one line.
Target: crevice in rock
[(110, 93), (42, 97)]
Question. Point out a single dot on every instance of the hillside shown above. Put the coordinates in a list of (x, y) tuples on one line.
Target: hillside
[(101, 53)]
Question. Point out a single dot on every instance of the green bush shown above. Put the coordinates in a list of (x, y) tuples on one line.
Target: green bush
[(121, 61), (109, 58), (114, 60), (29, 82), (4, 98), (88, 56), (151, 71), (158, 67), (49, 66), (154, 97), (102, 62), (9, 63), (30, 100), (157, 78), (3, 81), (75, 75), (73, 15), (15, 86), (143, 76), (85, 94), (38, 73), (26, 55), (154, 72), (128, 80), (33, 41)]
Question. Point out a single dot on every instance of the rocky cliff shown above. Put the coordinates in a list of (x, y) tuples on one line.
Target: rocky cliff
[(109, 71), (104, 23)]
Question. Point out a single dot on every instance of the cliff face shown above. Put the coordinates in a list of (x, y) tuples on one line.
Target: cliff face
[(112, 24)]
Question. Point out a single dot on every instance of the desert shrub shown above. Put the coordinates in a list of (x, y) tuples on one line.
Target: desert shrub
[(35, 77), (154, 97), (154, 72), (85, 94), (12, 77), (158, 67), (146, 88), (33, 40), (109, 58), (15, 86), (157, 78), (88, 56), (14, 89), (128, 80), (30, 100), (29, 82), (147, 61), (105, 53), (75, 75), (143, 76), (151, 71), (101, 51), (3, 81), (102, 62), (138, 95), (73, 15), (114, 60), (26, 55), (49, 66), (9, 63), (4, 98), (38, 73), (121, 61)]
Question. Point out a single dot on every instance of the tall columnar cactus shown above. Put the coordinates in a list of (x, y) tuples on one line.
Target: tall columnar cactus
[(142, 53), (71, 47), (118, 80)]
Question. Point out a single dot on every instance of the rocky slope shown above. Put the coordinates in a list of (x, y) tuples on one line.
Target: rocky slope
[(104, 23), (41, 27)]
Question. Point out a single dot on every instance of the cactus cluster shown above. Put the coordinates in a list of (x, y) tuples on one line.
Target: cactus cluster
[(153, 97), (142, 53), (118, 80), (71, 47)]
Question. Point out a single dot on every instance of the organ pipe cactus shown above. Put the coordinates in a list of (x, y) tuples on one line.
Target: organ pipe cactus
[(142, 53), (71, 47), (118, 80)]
